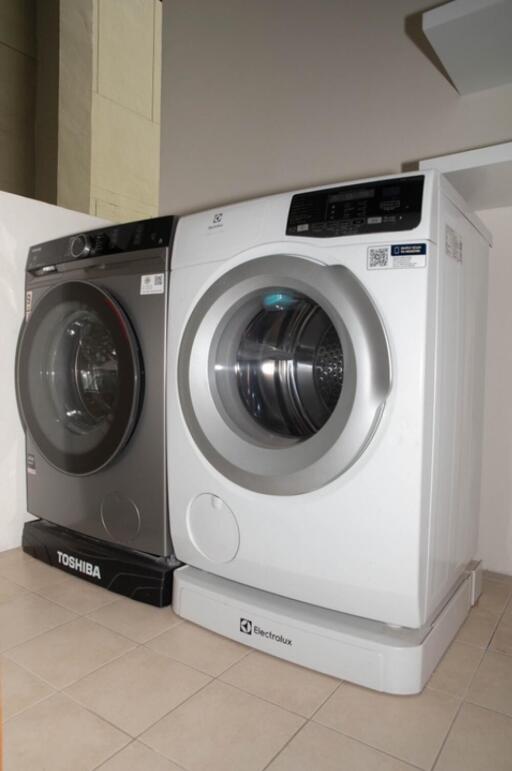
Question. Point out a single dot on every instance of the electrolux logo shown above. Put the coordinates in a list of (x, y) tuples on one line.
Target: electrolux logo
[(247, 627), (81, 566), (217, 221)]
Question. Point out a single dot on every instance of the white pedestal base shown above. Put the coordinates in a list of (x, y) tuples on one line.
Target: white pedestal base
[(368, 653)]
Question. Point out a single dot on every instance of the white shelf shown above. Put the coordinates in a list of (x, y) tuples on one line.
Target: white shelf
[(472, 40), (483, 177)]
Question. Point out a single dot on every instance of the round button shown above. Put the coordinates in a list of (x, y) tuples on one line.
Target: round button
[(80, 246)]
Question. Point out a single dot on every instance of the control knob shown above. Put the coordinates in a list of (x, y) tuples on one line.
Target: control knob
[(80, 246)]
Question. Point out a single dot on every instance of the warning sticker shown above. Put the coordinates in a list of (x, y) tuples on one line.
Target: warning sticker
[(397, 256), (152, 283), (28, 304)]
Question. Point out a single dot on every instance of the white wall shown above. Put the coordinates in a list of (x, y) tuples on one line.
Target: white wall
[(278, 94), (23, 222), (496, 497)]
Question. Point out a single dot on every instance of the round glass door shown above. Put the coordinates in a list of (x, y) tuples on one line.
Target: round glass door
[(289, 365), (78, 377), (283, 373)]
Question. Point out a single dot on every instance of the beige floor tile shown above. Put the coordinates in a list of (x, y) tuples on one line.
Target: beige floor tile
[(58, 735), (319, 748), (27, 616), (223, 728), (136, 690), (480, 740), (8, 553), (478, 628), (138, 757), (501, 577), (492, 686), (19, 689), (8, 590), (456, 669), (78, 595), (494, 596), (29, 572), (502, 638), (411, 728), (136, 620), (199, 648), (70, 652), (291, 687)]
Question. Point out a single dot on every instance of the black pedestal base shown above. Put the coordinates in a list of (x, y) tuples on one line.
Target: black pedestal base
[(134, 574)]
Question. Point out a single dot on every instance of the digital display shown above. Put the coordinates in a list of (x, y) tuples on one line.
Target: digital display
[(375, 206), (351, 195)]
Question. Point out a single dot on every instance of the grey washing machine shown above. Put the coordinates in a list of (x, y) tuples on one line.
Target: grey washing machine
[(90, 379)]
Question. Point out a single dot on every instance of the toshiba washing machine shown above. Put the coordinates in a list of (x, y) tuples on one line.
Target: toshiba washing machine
[(324, 413), (90, 377)]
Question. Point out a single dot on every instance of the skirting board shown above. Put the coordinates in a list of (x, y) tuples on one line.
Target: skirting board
[(369, 653)]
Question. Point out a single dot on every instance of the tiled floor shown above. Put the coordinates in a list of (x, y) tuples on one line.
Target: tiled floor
[(94, 681)]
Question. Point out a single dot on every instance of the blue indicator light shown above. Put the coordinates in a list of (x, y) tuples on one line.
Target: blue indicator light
[(278, 301)]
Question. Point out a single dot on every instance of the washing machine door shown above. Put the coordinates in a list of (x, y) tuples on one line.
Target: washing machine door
[(78, 374), (283, 373)]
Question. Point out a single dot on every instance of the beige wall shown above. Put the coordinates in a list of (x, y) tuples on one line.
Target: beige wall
[(125, 127), (17, 95), (277, 94)]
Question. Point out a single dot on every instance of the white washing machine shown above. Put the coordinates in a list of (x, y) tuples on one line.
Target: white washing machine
[(327, 350)]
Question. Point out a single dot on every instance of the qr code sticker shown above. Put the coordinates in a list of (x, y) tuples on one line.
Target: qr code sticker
[(152, 284), (378, 257)]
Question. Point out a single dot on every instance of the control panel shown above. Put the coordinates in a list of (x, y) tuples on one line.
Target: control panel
[(348, 210), (129, 237)]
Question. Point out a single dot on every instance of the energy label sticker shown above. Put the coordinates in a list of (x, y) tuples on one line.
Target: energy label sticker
[(152, 283)]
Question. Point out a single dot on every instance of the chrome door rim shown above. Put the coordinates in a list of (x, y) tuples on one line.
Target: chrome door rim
[(226, 436)]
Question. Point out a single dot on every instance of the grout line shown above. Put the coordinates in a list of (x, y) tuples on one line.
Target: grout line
[(61, 689), (31, 57), (292, 737), (146, 747), (181, 704), (97, 715), (34, 704), (452, 723), (80, 614), (5, 651), (114, 755), (262, 698), (189, 666), (128, 109), (317, 710), (465, 695), (33, 674), (490, 709)]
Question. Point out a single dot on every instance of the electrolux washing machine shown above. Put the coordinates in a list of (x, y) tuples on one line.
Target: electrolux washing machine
[(90, 378), (327, 348)]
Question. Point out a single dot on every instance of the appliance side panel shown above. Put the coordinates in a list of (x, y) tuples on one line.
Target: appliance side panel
[(458, 392), (475, 265)]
